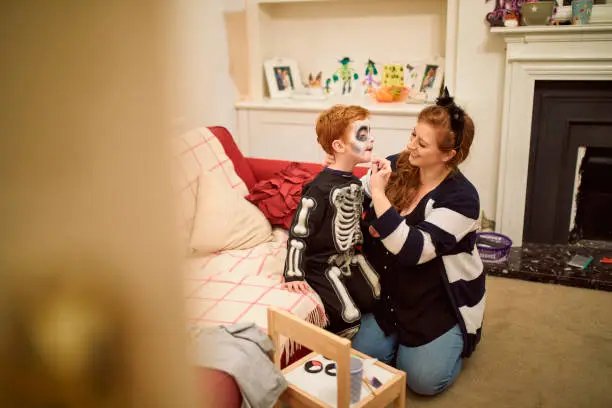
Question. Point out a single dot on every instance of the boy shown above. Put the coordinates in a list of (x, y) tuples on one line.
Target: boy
[(325, 227)]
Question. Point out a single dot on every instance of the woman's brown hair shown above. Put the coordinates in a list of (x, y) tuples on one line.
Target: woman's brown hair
[(405, 181)]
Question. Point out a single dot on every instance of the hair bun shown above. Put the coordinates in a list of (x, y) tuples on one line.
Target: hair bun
[(445, 99), (457, 115)]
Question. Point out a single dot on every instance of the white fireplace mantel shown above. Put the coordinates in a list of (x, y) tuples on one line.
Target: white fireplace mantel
[(533, 54)]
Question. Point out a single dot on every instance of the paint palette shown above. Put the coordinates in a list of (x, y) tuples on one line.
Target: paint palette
[(324, 387)]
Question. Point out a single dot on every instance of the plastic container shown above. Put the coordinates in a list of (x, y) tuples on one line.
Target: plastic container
[(497, 248), (356, 377), (537, 13)]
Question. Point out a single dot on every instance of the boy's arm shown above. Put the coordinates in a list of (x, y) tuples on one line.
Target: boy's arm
[(306, 222)]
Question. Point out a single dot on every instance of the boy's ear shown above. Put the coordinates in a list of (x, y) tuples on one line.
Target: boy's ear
[(338, 146)]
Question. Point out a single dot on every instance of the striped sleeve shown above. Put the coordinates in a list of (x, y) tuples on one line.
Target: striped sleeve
[(451, 218)]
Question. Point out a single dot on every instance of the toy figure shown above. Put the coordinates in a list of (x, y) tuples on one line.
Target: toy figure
[(346, 73), (370, 72), (506, 12), (511, 19), (314, 81), (327, 87)]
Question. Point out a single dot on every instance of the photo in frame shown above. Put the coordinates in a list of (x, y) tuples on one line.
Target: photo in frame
[(283, 77), (425, 78)]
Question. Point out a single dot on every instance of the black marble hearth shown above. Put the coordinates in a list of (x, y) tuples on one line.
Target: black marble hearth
[(549, 264)]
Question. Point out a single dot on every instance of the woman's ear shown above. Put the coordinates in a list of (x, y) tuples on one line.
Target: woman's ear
[(448, 156)]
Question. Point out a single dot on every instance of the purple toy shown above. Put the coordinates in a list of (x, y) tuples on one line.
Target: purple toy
[(502, 7)]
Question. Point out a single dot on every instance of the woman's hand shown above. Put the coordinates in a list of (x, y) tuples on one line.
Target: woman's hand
[(296, 287), (380, 177), (381, 164), (329, 160)]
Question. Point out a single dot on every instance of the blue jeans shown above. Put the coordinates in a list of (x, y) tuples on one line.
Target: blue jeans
[(430, 368)]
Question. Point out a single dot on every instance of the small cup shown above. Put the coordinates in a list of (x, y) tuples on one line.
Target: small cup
[(356, 378), (581, 11)]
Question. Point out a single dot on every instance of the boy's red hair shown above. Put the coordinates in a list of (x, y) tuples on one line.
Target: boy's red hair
[(333, 123)]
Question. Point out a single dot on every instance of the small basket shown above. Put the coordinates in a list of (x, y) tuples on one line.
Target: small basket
[(493, 253)]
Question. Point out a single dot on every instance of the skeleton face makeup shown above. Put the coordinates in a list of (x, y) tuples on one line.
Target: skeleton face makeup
[(361, 140)]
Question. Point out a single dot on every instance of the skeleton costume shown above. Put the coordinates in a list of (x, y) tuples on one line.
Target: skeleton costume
[(321, 249)]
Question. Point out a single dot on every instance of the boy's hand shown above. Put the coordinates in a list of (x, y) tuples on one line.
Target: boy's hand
[(329, 160), (296, 287)]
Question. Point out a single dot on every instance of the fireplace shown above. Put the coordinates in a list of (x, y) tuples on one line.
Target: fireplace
[(570, 163), (536, 58), (556, 137), (592, 206)]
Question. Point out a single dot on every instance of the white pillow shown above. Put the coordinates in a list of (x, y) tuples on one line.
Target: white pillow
[(224, 219)]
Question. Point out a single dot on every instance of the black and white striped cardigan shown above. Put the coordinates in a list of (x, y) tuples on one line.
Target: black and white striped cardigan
[(449, 232)]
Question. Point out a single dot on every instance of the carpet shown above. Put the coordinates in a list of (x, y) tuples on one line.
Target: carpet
[(543, 345)]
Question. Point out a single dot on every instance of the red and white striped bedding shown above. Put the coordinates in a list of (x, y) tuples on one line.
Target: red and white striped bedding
[(237, 286), (233, 286)]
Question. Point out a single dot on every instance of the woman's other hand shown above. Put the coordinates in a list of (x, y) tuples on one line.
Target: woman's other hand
[(329, 160)]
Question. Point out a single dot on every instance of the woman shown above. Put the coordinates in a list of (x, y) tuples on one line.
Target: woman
[(419, 235)]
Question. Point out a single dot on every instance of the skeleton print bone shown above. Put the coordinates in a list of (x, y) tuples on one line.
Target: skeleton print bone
[(300, 228), (347, 202), (295, 257), (369, 274), (350, 313)]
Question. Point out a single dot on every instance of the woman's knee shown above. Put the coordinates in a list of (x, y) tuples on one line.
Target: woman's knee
[(371, 340), (424, 381), (433, 367)]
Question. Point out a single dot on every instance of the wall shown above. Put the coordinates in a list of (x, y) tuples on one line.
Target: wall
[(480, 73), (206, 93), (325, 34), (479, 85)]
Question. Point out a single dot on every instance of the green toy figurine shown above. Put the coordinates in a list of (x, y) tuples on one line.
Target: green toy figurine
[(327, 87), (346, 73)]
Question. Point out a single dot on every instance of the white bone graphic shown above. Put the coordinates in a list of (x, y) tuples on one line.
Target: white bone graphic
[(350, 313), (342, 261), (347, 202), (300, 228), (294, 258), (349, 333), (368, 273)]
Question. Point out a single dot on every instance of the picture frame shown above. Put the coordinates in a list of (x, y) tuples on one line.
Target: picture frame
[(283, 77), (425, 78)]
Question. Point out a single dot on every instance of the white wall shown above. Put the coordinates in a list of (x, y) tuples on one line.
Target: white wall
[(480, 73), (205, 91), (479, 83)]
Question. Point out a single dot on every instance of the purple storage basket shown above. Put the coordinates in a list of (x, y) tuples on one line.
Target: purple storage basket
[(491, 254)]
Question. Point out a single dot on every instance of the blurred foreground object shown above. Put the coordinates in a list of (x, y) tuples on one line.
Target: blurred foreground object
[(91, 302)]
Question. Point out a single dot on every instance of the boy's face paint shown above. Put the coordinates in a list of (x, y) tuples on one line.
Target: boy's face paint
[(361, 140)]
